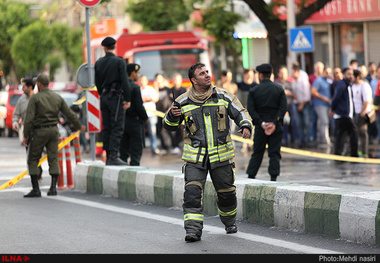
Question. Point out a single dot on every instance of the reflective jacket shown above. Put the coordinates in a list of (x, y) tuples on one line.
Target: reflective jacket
[(207, 127)]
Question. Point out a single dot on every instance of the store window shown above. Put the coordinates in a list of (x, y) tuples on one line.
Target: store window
[(351, 43)]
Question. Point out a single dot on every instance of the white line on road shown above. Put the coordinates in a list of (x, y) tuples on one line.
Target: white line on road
[(211, 229)]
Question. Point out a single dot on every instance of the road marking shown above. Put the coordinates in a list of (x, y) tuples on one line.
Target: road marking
[(211, 229), (174, 221)]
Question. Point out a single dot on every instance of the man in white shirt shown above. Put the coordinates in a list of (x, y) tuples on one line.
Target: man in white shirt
[(362, 99), (303, 96), (22, 104), (150, 97)]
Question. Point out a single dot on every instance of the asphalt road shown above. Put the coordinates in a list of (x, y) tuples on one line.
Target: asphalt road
[(78, 223)]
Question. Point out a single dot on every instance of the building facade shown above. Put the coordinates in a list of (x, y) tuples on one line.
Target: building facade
[(346, 30), (253, 36)]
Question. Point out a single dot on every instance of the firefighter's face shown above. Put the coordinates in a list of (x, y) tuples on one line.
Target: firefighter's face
[(202, 78)]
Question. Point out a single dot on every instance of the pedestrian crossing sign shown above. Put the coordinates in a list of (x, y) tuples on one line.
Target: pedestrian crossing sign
[(301, 39)]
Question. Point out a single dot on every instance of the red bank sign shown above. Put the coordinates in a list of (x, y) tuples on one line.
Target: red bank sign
[(346, 11)]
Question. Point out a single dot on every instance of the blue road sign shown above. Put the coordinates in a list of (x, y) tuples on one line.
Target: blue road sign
[(302, 39)]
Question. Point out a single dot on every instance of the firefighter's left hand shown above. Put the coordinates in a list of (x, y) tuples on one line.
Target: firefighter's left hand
[(245, 133)]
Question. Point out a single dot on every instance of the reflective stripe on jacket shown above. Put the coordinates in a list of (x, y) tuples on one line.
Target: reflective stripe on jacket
[(207, 127)]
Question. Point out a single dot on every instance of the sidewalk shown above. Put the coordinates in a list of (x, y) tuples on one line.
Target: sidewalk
[(294, 169)]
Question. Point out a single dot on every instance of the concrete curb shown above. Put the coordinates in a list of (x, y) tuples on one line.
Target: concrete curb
[(339, 213)]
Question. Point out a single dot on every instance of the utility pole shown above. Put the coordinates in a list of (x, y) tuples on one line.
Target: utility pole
[(290, 23), (88, 4)]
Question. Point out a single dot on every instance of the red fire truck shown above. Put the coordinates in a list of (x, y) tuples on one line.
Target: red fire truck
[(165, 52)]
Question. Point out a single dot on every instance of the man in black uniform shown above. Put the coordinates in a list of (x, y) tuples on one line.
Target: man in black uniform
[(267, 106), (132, 142), (113, 87)]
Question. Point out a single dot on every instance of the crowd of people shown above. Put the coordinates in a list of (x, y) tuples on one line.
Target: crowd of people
[(317, 114), (310, 120), (159, 97)]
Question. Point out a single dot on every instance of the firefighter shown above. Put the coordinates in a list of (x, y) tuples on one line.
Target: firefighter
[(206, 110)]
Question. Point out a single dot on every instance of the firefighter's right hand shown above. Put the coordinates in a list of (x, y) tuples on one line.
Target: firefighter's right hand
[(176, 111), (126, 105)]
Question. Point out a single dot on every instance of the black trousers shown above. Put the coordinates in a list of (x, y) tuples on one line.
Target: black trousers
[(342, 126), (112, 130), (132, 143), (260, 139)]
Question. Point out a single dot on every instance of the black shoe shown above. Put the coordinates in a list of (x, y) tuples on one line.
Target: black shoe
[(114, 160), (191, 237), (52, 192), (33, 193), (53, 186), (36, 189), (231, 229), (273, 177)]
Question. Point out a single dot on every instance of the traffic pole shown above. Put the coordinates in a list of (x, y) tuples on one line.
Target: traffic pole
[(77, 152), (290, 23), (87, 4), (61, 179), (69, 170), (88, 43)]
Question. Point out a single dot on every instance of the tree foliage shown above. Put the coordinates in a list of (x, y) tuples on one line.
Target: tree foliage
[(220, 22), (13, 17), (68, 41), (27, 45), (159, 15), (31, 47)]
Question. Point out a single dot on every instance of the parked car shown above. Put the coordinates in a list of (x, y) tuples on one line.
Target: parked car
[(3, 111), (8, 99), (64, 126), (3, 115)]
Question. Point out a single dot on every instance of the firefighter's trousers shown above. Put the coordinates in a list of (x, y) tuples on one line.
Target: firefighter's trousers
[(223, 180)]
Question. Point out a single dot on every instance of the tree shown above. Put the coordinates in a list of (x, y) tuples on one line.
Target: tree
[(31, 48), (159, 15), (14, 16), (39, 44), (220, 23), (276, 27), (68, 41)]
